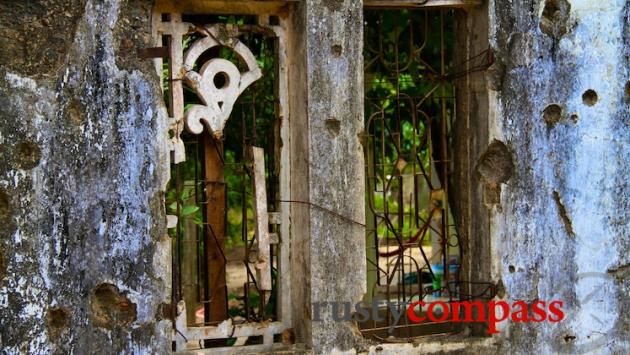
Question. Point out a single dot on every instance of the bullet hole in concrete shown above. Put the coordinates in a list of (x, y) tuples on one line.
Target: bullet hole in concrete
[(333, 5), (57, 320), (494, 76), (491, 194), (512, 269), (5, 205), (336, 50), (125, 47), (569, 338), (555, 17), (27, 155), (495, 164), (76, 112), (574, 117), (110, 308), (552, 114), (589, 97), (568, 225), (333, 126), (6, 214)]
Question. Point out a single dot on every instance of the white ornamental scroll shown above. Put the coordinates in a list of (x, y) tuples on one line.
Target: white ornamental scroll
[(217, 101)]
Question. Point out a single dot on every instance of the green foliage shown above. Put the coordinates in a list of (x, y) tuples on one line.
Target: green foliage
[(242, 129), (406, 56), (254, 301), (252, 122)]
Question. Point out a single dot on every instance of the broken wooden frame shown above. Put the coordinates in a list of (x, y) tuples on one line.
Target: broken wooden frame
[(169, 28)]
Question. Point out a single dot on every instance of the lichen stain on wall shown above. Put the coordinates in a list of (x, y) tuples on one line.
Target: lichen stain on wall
[(81, 179), (564, 215), (83, 258)]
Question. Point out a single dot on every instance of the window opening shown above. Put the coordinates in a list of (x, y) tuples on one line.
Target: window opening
[(222, 82), (413, 248)]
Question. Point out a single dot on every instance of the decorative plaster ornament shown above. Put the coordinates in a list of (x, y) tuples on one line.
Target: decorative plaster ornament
[(219, 82)]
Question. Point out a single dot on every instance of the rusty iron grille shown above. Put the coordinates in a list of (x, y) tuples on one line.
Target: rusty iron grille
[(211, 193), (413, 247)]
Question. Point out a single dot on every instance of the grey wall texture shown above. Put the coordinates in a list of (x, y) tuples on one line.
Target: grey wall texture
[(561, 230), (82, 266), (84, 259)]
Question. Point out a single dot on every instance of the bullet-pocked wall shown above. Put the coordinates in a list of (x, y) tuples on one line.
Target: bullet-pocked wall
[(84, 263), (83, 130), (85, 259), (541, 171), (559, 229), (543, 202)]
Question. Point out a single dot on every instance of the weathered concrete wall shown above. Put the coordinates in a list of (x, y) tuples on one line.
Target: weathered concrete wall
[(333, 48), (83, 262), (561, 230), (82, 259), (541, 168)]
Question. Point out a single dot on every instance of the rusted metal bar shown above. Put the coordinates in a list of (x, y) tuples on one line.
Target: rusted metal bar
[(408, 105)]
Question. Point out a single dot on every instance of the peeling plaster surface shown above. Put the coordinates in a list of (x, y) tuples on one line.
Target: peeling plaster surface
[(81, 132), (582, 160), (84, 163)]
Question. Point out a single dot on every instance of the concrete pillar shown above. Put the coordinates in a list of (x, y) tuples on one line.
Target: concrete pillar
[(328, 54), (334, 46)]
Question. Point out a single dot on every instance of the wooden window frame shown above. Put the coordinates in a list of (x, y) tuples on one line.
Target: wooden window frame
[(176, 28)]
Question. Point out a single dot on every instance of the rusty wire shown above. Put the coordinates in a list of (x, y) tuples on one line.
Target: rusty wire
[(399, 230)]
